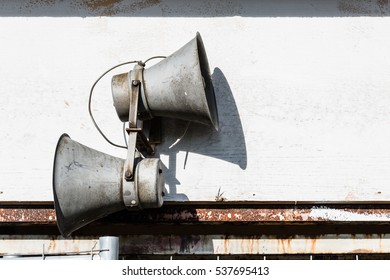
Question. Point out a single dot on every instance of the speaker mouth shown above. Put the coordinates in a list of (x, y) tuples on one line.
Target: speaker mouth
[(209, 88), (59, 215)]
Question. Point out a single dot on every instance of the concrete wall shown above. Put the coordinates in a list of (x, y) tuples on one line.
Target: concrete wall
[(302, 87)]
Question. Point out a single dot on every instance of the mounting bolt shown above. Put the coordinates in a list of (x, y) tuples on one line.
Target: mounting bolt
[(128, 174), (133, 202), (135, 83)]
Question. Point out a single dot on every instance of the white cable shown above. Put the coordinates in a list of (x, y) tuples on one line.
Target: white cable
[(181, 137)]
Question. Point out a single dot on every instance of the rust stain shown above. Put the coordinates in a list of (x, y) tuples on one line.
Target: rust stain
[(101, 3), (364, 251), (50, 247), (10, 215), (253, 246), (112, 7), (381, 236), (139, 5), (102, 7), (198, 214), (313, 245), (280, 244), (242, 245), (247, 215), (284, 246), (226, 246), (288, 245)]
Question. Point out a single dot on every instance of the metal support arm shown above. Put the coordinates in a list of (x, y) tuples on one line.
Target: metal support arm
[(142, 180)]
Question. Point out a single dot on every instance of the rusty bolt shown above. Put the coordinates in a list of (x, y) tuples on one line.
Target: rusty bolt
[(135, 83), (128, 174)]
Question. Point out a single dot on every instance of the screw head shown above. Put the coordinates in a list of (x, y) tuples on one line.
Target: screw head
[(128, 174), (135, 83)]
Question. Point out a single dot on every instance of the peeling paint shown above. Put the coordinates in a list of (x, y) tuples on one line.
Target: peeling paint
[(348, 215)]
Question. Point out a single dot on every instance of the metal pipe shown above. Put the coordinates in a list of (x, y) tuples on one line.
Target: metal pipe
[(65, 257), (109, 247)]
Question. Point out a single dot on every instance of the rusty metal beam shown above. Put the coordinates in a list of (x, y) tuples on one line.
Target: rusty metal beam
[(206, 229), (45, 214), (27, 215)]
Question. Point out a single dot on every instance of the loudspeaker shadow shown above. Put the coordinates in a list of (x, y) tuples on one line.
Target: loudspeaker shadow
[(227, 144)]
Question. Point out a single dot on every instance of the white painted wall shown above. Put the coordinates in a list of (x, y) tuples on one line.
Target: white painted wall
[(303, 93)]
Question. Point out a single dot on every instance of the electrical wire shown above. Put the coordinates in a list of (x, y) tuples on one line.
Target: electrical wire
[(90, 101), (154, 57), (124, 134), (181, 137)]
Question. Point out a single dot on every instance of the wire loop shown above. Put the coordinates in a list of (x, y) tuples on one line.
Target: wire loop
[(93, 87)]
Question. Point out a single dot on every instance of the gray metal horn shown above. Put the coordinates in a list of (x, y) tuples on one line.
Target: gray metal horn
[(179, 86), (89, 185)]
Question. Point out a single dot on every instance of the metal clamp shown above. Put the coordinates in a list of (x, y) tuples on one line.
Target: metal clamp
[(135, 89), (142, 183), (130, 195)]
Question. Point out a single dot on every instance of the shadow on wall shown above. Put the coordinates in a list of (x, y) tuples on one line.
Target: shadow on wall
[(199, 8), (227, 144)]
